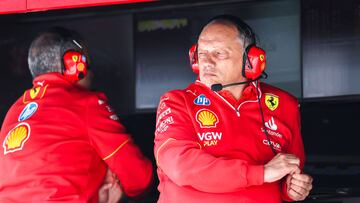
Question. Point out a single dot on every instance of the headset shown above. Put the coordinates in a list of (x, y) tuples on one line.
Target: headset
[(254, 62), (254, 58), (74, 65)]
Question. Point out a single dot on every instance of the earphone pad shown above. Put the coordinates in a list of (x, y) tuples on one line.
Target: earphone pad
[(75, 65), (256, 59), (194, 59)]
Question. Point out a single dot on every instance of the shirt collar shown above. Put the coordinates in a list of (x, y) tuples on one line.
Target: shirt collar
[(249, 92), (51, 78)]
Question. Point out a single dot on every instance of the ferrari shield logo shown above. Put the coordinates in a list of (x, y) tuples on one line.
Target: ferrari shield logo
[(271, 101)]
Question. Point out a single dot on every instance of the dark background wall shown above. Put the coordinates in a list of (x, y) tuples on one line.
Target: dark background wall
[(138, 52)]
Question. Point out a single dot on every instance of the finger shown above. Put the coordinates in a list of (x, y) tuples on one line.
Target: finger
[(301, 191), (289, 158), (303, 177), (105, 187), (295, 196), (306, 186), (293, 169), (297, 170), (293, 160)]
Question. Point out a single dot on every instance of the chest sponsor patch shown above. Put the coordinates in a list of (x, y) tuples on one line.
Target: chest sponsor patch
[(271, 124), (202, 100), (28, 111), (209, 138), (16, 138), (271, 101), (206, 118), (274, 144)]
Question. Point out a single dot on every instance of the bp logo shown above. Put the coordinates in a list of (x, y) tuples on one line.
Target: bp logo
[(28, 111)]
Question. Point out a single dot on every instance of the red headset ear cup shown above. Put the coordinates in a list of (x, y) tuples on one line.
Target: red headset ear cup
[(194, 59), (255, 63), (75, 65)]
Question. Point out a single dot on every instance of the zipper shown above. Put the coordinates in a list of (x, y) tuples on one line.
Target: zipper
[(257, 98), (236, 110)]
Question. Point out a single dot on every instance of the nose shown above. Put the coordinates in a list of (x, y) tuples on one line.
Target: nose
[(207, 62)]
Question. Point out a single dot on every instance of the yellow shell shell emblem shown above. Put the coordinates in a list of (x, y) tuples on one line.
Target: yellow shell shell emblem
[(206, 118), (16, 138), (271, 101)]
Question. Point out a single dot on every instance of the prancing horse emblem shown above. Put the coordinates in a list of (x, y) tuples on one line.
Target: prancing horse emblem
[(271, 101)]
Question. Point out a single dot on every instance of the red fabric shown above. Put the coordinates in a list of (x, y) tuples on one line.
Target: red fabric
[(73, 136), (22, 6), (223, 160)]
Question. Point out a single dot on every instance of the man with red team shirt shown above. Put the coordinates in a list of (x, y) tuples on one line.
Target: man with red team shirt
[(59, 138), (211, 145)]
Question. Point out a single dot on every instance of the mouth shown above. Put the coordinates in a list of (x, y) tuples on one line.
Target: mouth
[(209, 74)]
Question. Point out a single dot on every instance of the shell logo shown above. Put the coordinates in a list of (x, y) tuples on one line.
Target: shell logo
[(206, 118), (16, 138), (80, 67)]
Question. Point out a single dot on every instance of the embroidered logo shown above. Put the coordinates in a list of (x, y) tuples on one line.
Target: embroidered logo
[(202, 100), (28, 111), (209, 138), (34, 94), (206, 118), (271, 124), (271, 101), (16, 138), (101, 102)]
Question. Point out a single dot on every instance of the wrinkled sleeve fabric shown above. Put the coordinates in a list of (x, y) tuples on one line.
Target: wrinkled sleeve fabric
[(296, 146), (181, 158), (116, 147)]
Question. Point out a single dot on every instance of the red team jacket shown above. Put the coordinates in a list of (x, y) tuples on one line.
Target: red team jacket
[(58, 140), (211, 149)]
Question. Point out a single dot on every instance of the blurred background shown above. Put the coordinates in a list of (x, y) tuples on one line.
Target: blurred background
[(139, 50)]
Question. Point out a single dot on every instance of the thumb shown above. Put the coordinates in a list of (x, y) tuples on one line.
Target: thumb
[(105, 187)]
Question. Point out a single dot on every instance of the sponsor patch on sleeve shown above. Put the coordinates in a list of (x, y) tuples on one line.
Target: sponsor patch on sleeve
[(164, 117)]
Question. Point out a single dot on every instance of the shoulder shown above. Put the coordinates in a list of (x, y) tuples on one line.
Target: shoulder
[(284, 97), (95, 100), (181, 95)]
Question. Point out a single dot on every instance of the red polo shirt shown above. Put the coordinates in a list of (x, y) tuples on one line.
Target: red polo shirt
[(211, 148), (57, 141)]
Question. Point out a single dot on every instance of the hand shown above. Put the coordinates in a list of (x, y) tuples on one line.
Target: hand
[(110, 191), (298, 186), (280, 166)]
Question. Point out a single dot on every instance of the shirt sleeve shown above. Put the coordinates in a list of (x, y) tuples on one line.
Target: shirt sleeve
[(116, 147), (181, 158), (296, 147)]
